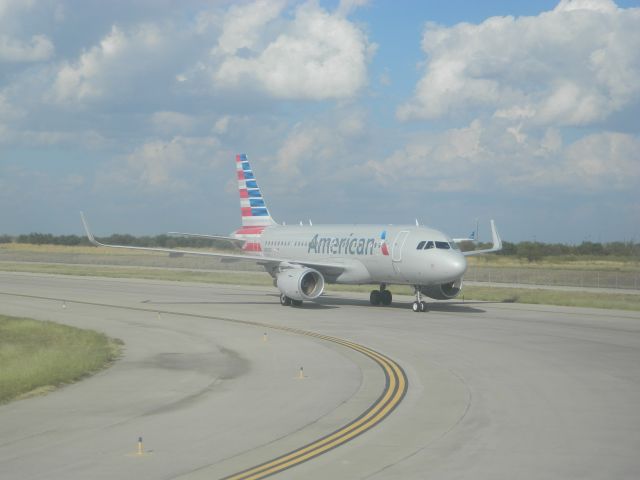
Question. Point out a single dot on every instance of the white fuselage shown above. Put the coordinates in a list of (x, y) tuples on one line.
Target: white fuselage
[(370, 253)]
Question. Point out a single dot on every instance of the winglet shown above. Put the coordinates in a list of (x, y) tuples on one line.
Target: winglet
[(88, 232), (496, 240)]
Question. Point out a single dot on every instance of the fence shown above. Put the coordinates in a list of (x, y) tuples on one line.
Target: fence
[(533, 275), (560, 277)]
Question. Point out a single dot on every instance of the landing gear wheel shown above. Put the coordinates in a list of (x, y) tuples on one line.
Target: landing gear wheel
[(418, 305), (284, 300), (386, 297), (375, 297), (296, 303)]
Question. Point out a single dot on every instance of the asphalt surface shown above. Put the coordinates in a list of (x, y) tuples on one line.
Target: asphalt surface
[(494, 390)]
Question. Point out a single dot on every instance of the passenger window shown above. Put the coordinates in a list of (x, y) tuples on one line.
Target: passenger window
[(420, 245), (428, 245), (443, 245)]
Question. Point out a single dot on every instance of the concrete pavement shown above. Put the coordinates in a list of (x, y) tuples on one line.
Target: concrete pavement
[(495, 390)]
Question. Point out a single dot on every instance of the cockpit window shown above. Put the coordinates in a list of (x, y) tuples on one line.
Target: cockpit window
[(428, 245), (420, 245), (443, 245)]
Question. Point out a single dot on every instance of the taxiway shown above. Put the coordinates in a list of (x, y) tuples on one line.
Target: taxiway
[(494, 390)]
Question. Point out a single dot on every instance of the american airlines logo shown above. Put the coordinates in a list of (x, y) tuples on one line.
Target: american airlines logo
[(346, 245)]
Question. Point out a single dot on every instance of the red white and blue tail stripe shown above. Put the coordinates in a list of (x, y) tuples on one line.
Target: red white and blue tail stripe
[(255, 214), (254, 210)]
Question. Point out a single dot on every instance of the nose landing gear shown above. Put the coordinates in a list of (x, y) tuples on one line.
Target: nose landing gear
[(381, 297), (418, 305)]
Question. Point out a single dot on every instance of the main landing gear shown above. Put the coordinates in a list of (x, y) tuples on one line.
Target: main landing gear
[(287, 302), (418, 305), (381, 297)]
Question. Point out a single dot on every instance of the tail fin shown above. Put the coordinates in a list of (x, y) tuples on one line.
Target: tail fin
[(254, 210)]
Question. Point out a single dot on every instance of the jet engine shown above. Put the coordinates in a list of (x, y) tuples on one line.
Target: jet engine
[(445, 291), (300, 283)]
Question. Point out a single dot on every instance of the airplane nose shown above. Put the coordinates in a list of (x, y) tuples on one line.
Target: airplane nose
[(458, 265)]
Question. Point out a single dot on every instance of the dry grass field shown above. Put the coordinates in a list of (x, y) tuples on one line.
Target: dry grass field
[(489, 268)]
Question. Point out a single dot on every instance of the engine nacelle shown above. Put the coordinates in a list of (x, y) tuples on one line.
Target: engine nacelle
[(300, 283), (445, 291)]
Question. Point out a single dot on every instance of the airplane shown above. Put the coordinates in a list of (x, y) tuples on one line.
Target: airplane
[(301, 259)]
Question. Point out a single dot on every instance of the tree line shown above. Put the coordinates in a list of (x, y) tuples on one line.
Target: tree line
[(532, 251), (164, 241)]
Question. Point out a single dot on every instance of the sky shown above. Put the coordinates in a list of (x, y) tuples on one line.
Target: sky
[(350, 111)]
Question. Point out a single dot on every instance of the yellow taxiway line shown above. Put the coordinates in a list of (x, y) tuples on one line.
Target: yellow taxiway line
[(395, 388), (396, 384)]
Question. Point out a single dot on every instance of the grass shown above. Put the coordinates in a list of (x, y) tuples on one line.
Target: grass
[(535, 296), (497, 261), (560, 262), (37, 356), (177, 275), (616, 301), (586, 299)]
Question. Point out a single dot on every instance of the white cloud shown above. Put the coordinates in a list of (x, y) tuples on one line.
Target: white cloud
[(171, 122), (502, 158), (605, 160), (154, 163), (12, 134), (8, 111), (121, 64), (316, 55), (551, 142), (606, 6), (160, 165), (15, 48), (38, 48), (221, 125), (324, 148), (445, 162), (42, 184), (515, 112), (300, 143), (82, 80), (345, 7), (244, 25), (574, 65)]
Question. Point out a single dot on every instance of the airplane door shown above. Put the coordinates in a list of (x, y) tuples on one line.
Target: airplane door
[(398, 243)]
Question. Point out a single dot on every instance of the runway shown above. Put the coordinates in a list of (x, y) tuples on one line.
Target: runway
[(492, 390)]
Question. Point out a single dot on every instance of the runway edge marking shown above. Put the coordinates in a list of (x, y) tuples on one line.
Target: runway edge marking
[(396, 385)]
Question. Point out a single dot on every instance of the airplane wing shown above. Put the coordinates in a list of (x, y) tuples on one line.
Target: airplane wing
[(332, 268), (236, 242), (496, 240)]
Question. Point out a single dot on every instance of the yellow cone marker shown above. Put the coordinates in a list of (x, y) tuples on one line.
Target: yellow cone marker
[(264, 337), (301, 374), (140, 451)]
